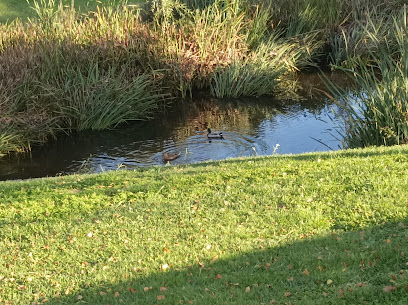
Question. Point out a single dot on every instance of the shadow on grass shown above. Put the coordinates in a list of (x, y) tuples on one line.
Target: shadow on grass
[(361, 267)]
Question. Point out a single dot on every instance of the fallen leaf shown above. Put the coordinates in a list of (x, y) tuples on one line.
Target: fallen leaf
[(214, 259), (102, 292), (324, 293), (131, 289), (147, 288), (116, 294), (163, 288), (248, 289), (160, 297), (306, 272), (329, 282), (218, 276), (390, 288), (288, 293), (361, 284)]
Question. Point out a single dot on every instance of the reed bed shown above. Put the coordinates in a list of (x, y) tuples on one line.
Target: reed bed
[(95, 70), (375, 111)]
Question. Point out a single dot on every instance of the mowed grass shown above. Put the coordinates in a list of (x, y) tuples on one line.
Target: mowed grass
[(12, 9), (322, 228)]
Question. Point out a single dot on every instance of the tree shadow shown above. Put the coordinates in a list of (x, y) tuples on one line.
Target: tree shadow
[(368, 266)]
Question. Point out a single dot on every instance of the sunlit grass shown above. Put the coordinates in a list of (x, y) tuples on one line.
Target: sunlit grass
[(308, 229), (11, 9)]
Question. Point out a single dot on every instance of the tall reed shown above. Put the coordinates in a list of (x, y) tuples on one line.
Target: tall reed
[(362, 38), (65, 72), (375, 112)]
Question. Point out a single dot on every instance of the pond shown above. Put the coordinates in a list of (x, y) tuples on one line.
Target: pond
[(251, 127)]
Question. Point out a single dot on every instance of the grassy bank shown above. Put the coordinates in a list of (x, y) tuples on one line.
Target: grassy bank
[(98, 67), (308, 229)]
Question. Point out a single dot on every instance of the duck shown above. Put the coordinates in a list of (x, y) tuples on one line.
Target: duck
[(214, 135), (170, 157)]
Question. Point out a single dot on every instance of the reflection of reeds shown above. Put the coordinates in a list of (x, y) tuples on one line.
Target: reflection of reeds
[(217, 115)]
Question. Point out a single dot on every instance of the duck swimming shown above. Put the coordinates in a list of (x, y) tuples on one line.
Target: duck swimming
[(214, 135), (170, 157)]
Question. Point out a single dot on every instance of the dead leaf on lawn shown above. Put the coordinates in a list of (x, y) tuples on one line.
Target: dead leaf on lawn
[(390, 288), (306, 272)]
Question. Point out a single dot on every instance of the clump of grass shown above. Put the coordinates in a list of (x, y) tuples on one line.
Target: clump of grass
[(359, 40), (9, 141), (376, 111), (256, 75), (101, 101), (262, 71)]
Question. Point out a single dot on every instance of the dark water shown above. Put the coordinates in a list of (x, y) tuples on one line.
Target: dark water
[(250, 126)]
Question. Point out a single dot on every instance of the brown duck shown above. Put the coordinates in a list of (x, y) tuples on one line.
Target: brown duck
[(170, 157)]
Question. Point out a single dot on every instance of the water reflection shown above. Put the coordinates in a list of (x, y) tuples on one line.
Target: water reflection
[(250, 127)]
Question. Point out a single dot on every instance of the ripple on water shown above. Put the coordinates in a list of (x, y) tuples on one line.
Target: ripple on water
[(250, 128)]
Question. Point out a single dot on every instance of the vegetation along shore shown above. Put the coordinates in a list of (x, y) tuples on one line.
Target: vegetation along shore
[(317, 228), (84, 66)]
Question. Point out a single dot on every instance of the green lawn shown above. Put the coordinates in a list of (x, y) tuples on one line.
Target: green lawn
[(323, 228), (11, 9)]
